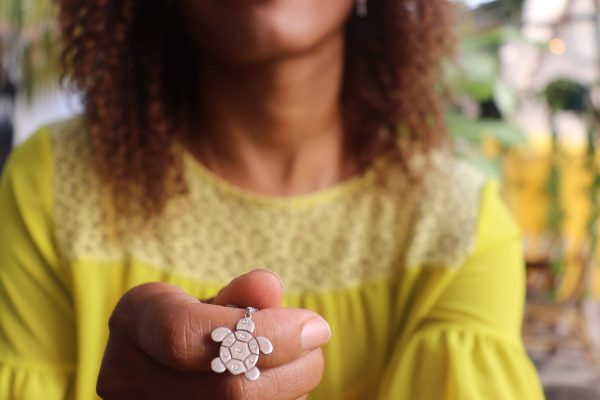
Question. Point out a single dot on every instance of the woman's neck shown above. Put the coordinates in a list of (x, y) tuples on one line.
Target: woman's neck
[(275, 127)]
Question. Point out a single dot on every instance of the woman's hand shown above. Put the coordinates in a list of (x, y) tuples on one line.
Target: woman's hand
[(160, 346)]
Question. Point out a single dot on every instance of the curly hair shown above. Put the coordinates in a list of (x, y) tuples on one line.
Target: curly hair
[(136, 66)]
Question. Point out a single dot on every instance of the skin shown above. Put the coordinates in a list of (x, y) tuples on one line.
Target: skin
[(270, 122), (159, 345), (270, 117)]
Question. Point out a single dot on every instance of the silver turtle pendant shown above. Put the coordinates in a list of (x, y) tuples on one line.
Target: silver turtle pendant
[(240, 350)]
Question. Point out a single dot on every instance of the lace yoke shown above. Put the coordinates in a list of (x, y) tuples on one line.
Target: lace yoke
[(357, 231)]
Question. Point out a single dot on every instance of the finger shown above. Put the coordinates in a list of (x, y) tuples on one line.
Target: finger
[(293, 333), (175, 328), (117, 380), (260, 288), (286, 382), (124, 366)]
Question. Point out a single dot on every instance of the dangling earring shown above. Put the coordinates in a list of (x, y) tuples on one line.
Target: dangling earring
[(361, 8)]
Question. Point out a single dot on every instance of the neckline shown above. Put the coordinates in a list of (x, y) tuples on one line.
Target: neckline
[(345, 187)]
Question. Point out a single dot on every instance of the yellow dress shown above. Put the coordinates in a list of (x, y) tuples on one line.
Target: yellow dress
[(423, 287)]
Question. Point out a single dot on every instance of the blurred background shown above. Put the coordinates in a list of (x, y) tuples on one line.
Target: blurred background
[(524, 93)]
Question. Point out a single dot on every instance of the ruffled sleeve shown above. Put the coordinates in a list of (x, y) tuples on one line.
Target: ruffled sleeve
[(35, 382), (37, 334), (468, 345)]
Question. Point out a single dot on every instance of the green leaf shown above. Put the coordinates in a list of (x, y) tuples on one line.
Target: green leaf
[(479, 66), (490, 168), (506, 133), (505, 98), (488, 40), (463, 128), (473, 131), (477, 75), (565, 94)]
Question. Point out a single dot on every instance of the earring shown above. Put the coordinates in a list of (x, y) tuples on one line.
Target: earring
[(362, 9)]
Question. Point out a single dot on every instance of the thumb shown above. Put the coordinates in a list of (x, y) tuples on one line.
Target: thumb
[(259, 289)]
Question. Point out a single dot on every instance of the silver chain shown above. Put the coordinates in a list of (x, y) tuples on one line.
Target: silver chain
[(249, 310)]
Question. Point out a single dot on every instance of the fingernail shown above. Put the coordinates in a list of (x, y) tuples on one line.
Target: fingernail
[(269, 272), (315, 333)]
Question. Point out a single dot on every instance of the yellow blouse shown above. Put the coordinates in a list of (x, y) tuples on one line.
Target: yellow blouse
[(423, 287)]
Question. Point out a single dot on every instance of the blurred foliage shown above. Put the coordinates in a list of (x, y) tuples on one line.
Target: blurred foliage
[(483, 105), (567, 95), (502, 11), (473, 131), (17, 14), (29, 45), (482, 109), (561, 95)]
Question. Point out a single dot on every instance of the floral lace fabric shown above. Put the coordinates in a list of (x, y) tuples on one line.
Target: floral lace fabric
[(357, 231)]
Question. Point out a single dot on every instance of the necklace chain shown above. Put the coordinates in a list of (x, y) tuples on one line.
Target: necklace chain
[(249, 310)]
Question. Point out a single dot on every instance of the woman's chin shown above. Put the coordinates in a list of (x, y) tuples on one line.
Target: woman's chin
[(261, 51), (263, 31)]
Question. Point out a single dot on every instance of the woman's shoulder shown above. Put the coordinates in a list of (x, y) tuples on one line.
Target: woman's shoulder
[(75, 187), (33, 165), (50, 146), (445, 211), (32, 187)]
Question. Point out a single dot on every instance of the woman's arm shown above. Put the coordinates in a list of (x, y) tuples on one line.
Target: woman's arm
[(37, 331), (469, 346)]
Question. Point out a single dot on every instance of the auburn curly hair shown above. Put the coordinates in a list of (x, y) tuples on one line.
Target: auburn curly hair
[(136, 66)]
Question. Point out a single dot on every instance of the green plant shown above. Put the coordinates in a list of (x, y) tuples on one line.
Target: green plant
[(29, 35), (474, 79)]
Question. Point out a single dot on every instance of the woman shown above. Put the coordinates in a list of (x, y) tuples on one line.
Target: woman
[(303, 137)]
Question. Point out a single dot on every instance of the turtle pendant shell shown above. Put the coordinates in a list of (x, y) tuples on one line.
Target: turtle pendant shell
[(240, 350)]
